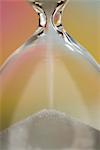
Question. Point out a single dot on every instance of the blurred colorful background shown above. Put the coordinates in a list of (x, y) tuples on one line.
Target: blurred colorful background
[(18, 22), (82, 20)]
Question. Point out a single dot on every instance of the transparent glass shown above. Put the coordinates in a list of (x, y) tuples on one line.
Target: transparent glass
[(51, 77), (50, 71)]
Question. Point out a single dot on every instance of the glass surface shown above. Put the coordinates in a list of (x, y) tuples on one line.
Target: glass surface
[(50, 71), (56, 82)]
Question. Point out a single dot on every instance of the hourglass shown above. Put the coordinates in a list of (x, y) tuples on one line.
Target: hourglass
[(50, 76)]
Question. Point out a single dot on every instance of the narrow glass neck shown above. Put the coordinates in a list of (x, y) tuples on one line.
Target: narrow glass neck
[(49, 8), (49, 11)]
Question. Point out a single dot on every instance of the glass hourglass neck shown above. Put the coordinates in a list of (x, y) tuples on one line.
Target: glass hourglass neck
[(49, 11)]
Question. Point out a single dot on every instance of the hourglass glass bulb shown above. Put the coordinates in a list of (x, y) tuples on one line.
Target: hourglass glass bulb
[(50, 71), (54, 81)]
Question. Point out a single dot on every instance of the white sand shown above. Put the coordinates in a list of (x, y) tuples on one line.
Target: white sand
[(49, 130)]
